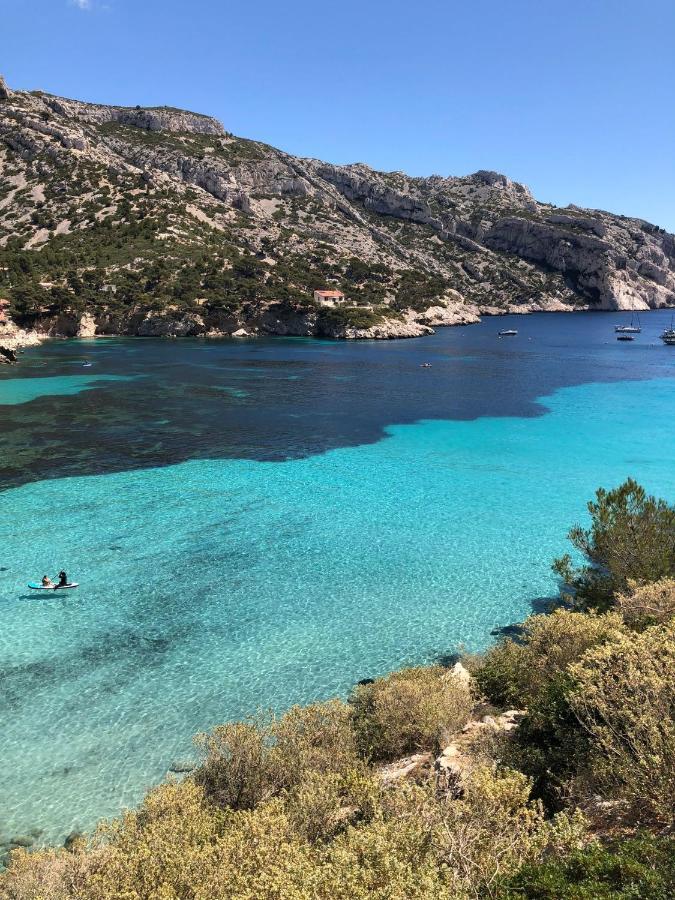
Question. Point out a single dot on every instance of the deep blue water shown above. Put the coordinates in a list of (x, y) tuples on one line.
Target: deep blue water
[(258, 523)]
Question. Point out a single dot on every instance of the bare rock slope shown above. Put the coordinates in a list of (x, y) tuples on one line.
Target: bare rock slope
[(158, 221)]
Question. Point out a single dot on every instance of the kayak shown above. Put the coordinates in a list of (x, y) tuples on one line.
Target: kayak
[(54, 587)]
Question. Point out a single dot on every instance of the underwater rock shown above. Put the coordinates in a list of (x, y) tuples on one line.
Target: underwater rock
[(21, 840), (72, 839), (180, 766)]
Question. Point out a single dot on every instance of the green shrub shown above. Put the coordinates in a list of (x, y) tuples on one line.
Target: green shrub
[(534, 672), (642, 868), (517, 672), (348, 317), (408, 711)]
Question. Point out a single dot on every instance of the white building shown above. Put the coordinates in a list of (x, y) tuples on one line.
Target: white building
[(328, 298)]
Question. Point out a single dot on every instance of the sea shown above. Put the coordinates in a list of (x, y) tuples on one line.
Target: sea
[(257, 523)]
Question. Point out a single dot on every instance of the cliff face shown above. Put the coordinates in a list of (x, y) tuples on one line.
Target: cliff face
[(160, 221)]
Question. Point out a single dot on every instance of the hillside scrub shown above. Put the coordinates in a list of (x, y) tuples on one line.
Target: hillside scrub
[(409, 711), (647, 604), (414, 844), (624, 699), (518, 672)]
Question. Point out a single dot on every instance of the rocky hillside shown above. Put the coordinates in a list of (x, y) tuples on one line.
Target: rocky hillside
[(158, 221)]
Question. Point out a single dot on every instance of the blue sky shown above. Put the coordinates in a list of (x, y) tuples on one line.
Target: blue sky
[(576, 99)]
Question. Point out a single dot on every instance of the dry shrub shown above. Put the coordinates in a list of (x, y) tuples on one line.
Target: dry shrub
[(517, 672), (648, 604), (322, 806), (492, 830), (249, 762), (408, 711), (235, 772), (318, 738), (44, 875), (332, 837), (161, 850), (625, 700)]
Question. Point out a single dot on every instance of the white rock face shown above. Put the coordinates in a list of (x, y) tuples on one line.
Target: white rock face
[(13, 339), (87, 326)]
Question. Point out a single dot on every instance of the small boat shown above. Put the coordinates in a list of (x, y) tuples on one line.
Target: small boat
[(668, 336), (425, 365), (54, 587), (625, 337), (510, 332), (629, 329)]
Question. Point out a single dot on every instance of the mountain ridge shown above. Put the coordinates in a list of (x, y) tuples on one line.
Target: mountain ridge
[(155, 220)]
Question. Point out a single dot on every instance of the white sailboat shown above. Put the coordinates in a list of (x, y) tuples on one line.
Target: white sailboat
[(629, 329)]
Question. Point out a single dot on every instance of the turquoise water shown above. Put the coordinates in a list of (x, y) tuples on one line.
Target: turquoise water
[(24, 390), (216, 586)]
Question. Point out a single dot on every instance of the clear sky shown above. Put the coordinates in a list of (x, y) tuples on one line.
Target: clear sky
[(576, 98)]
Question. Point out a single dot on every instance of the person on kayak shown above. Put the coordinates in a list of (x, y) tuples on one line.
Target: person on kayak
[(63, 579), (47, 582)]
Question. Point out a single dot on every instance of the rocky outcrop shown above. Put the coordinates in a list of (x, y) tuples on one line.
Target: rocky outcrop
[(592, 255), (459, 758), (161, 118), (13, 339)]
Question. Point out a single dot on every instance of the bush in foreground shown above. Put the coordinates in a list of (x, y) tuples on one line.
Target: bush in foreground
[(624, 699), (416, 845), (516, 673), (409, 711)]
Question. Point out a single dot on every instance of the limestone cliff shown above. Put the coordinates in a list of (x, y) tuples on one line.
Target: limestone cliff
[(158, 221)]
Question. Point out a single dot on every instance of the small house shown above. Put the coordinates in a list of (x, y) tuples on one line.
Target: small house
[(329, 298)]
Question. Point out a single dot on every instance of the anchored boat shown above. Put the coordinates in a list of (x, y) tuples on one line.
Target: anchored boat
[(668, 336), (630, 329)]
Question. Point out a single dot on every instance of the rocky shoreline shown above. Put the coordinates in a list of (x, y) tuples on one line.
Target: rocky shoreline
[(263, 321)]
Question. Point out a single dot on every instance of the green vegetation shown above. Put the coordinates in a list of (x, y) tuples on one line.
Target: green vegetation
[(349, 317), (631, 536), (418, 290), (642, 868), (575, 802)]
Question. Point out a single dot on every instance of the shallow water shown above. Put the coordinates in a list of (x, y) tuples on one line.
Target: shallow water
[(261, 523)]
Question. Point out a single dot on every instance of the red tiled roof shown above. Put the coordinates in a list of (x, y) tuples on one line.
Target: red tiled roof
[(330, 293)]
